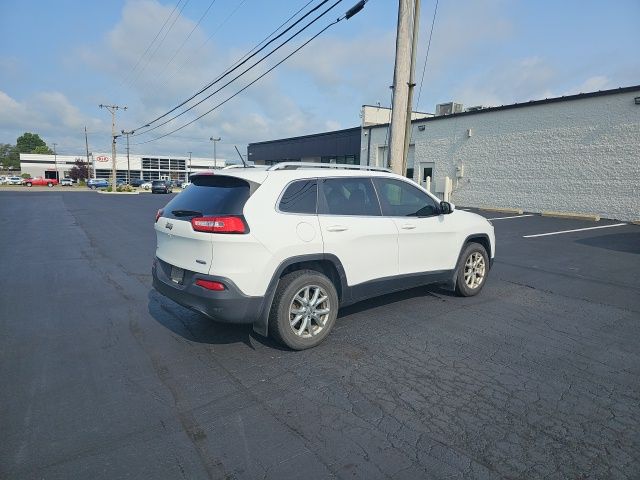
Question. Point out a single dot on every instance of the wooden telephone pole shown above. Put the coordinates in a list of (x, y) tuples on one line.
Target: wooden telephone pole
[(113, 109), (403, 83)]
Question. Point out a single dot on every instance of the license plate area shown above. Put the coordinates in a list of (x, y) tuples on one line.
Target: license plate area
[(177, 275)]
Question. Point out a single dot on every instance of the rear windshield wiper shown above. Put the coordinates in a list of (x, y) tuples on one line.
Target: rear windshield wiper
[(186, 213)]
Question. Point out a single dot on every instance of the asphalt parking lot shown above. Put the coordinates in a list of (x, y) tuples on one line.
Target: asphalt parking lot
[(537, 377)]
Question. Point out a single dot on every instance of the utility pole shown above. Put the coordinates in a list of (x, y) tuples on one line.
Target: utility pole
[(412, 84), (406, 39), (188, 179), (86, 143), (55, 159), (215, 140), (113, 109)]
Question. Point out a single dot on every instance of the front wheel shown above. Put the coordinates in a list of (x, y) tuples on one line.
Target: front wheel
[(29, 184), (472, 270), (49, 184), (304, 309)]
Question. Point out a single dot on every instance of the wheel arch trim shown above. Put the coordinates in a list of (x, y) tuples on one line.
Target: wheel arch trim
[(261, 325)]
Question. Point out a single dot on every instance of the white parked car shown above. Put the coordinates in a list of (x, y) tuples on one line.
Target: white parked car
[(283, 248), (66, 182), (14, 181), (146, 185), (185, 185)]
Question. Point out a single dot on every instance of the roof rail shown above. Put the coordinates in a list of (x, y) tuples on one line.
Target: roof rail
[(237, 165), (345, 166)]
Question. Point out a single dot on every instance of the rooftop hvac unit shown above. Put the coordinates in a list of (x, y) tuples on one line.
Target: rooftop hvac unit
[(475, 109), (449, 108)]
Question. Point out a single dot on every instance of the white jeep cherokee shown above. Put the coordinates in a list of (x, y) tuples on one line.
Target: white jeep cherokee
[(284, 247)]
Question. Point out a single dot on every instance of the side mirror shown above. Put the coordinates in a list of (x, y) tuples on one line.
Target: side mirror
[(446, 208)]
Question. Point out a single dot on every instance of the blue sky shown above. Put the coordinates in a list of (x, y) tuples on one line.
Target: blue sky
[(59, 60)]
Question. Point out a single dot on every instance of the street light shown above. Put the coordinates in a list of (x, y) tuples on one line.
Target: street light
[(214, 140)]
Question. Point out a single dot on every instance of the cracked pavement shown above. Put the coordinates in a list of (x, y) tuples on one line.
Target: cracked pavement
[(537, 377)]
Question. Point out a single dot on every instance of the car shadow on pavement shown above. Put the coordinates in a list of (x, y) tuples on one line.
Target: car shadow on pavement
[(196, 327), (417, 292)]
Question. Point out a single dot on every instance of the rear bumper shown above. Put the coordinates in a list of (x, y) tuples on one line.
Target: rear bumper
[(229, 305)]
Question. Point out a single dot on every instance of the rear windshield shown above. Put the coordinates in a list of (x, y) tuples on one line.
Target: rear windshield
[(159, 182), (210, 195)]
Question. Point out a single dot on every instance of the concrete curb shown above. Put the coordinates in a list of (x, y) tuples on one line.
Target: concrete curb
[(117, 193), (636, 222), (574, 216), (516, 211)]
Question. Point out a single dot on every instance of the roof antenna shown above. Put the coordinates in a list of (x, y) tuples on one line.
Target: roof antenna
[(241, 158)]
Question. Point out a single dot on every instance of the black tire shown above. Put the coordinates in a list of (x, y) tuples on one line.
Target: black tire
[(290, 285), (475, 277)]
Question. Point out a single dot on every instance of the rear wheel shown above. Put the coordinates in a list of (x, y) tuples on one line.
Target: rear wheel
[(304, 309), (472, 270), (29, 184), (49, 184)]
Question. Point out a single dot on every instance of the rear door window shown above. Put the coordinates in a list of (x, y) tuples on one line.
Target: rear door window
[(210, 195), (349, 196), (300, 197)]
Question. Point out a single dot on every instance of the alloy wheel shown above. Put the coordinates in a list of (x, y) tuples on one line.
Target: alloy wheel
[(474, 270), (309, 311)]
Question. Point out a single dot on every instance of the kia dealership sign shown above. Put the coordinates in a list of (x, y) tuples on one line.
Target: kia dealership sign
[(103, 158)]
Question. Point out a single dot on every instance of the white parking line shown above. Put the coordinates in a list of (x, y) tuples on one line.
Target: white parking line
[(515, 216), (575, 230)]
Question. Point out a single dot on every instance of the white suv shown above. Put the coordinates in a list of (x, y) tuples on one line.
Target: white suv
[(284, 247)]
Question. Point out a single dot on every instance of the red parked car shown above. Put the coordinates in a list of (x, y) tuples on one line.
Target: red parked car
[(49, 182)]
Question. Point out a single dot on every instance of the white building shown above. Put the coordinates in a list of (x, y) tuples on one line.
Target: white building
[(148, 167), (579, 153)]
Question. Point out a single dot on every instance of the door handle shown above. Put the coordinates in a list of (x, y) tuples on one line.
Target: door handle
[(408, 227), (337, 228)]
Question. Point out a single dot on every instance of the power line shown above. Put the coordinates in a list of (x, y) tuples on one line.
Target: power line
[(188, 36), (172, 74), (424, 67), (231, 70), (152, 42), (160, 42), (351, 12)]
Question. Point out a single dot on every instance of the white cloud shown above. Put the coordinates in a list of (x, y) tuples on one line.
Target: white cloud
[(515, 81), (49, 113), (591, 84)]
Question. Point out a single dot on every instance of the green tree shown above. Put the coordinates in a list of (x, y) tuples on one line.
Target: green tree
[(43, 150), (9, 157), (27, 142)]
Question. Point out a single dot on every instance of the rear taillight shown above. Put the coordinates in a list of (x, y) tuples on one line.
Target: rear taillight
[(210, 285), (228, 224), (159, 214)]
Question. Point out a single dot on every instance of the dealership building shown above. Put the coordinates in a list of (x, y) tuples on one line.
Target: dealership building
[(147, 167), (576, 153)]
